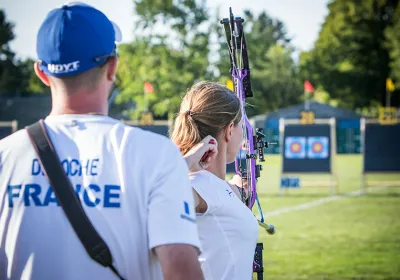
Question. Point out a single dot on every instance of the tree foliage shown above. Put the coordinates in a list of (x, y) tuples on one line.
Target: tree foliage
[(17, 77), (9, 72), (171, 62), (173, 66), (350, 59), (29, 82), (393, 44), (178, 43)]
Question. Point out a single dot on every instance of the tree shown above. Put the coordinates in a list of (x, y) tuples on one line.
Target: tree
[(171, 61), (276, 80), (142, 62), (393, 39), (29, 82), (350, 59), (9, 72)]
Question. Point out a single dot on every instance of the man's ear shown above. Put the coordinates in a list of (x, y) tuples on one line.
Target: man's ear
[(40, 74), (112, 68), (228, 132)]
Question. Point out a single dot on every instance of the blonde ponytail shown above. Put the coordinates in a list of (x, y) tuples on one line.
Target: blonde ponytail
[(206, 109), (186, 134)]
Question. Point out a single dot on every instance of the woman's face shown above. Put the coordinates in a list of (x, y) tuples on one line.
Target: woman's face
[(236, 142)]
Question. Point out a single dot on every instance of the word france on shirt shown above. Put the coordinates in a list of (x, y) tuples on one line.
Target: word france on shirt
[(107, 196)]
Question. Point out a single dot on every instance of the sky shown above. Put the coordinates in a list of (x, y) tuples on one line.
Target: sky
[(303, 18)]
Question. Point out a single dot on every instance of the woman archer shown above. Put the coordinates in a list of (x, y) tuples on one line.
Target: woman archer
[(227, 229)]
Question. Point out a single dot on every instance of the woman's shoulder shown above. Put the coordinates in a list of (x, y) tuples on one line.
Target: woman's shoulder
[(204, 178), (204, 186), (207, 184)]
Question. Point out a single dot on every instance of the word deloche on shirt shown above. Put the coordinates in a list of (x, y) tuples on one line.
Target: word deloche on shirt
[(72, 167)]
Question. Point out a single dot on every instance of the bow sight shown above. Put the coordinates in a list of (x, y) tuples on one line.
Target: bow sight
[(260, 144)]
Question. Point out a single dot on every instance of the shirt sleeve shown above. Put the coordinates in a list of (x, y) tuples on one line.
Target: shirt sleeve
[(205, 188), (171, 213)]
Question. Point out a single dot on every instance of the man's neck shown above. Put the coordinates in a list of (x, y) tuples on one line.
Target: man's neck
[(81, 103), (70, 111)]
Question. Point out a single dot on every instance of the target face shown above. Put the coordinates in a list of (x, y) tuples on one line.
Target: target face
[(295, 147), (317, 147)]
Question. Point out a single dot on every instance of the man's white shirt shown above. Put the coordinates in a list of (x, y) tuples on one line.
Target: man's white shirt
[(133, 186)]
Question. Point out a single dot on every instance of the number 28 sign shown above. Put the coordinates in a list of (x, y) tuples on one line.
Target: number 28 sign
[(307, 117), (387, 115)]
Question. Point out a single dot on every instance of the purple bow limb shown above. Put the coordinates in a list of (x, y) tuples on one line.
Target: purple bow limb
[(247, 172)]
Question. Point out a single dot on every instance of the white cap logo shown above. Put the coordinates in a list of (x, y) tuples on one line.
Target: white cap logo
[(64, 68)]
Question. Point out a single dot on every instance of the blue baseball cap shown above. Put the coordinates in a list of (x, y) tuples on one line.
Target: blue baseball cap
[(75, 38)]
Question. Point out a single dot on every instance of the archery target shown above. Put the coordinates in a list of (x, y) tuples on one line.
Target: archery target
[(381, 152), (295, 147), (317, 147)]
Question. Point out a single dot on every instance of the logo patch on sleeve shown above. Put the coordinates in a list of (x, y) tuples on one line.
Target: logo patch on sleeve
[(186, 215)]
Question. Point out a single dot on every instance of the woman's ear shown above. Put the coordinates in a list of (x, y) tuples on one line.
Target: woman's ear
[(40, 74), (228, 132)]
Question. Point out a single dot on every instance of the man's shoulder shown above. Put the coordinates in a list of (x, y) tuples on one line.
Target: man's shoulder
[(15, 140), (156, 154), (146, 138)]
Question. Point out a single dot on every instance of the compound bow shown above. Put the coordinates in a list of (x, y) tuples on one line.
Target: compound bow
[(253, 145)]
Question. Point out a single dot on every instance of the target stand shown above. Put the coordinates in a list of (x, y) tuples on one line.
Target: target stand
[(7, 128), (307, 148), (380, 147)]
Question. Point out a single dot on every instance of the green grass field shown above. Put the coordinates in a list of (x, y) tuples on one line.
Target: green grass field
[(352, 237)]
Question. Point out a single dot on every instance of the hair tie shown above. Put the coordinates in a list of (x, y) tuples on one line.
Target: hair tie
[(189, 113)]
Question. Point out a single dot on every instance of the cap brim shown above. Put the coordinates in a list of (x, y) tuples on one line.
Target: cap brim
[(117, 30)]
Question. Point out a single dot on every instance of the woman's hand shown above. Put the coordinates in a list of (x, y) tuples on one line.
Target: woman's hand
[(199, 157)]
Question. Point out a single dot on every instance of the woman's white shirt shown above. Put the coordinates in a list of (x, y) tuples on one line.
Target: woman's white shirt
[(228, 230)]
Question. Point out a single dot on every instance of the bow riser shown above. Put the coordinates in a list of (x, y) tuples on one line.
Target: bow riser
[(249, 173), (251, 164)]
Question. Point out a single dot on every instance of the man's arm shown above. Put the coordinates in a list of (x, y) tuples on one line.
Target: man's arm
[(179, 262), (172, 228)]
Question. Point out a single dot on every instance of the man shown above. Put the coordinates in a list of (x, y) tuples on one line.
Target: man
[(133, 184)]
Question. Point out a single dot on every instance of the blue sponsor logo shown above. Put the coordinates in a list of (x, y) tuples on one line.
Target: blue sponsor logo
[(186, 216), (290, 182), (229, 192)]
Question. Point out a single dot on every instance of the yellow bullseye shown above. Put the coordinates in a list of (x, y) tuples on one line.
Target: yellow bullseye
[(295, 147), (317, 147)]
